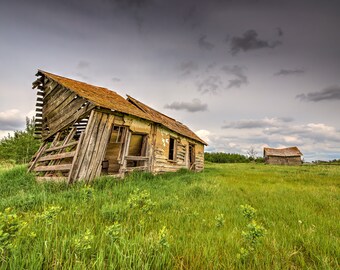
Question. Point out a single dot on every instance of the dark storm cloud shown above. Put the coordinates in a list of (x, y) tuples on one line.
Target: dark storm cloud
[(204, 44), (238, 72), (250, 41), (189, 13), (329, 93), (133, 3), (213, 81), (211, 84), (287, 72), (188, 67), (195, 106)]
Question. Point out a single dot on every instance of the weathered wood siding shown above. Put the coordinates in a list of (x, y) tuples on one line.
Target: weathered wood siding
[(59, 107), (161, 152), (274, 160), (157, 149), (88, 164), (199, 152)]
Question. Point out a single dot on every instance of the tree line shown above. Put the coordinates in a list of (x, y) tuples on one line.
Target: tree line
[(21, 146), (220, 157)]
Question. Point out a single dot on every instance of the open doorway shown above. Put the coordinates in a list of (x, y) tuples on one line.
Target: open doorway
[(111, 164), (191, 156), (137, 148), (126, 151)]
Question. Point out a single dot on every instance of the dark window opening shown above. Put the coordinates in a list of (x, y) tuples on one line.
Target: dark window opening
[(172, 152), (191, 156)]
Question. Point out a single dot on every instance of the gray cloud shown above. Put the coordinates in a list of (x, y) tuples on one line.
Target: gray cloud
[(287, 72), (11, 120), (189, 13), (279, 31), (248, 124), (195, 106), (286, 119), (250, 41), (314, 132), (188, 67), (83, 64), (210, 84), (258, 123), (134, 3), (213, 82), (83, 77), (115, 79), (238, 72), (329, 93), (204, 44)]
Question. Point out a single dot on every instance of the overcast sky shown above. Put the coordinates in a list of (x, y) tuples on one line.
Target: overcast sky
[(239, 73)]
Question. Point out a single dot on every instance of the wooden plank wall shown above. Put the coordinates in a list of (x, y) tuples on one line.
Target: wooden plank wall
[(55, 159), (199, 157), (58, 107), (88, 164), (112, 152), (274, 160), (160, 162)]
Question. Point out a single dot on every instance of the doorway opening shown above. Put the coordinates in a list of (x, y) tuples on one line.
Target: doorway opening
[(191, 156)]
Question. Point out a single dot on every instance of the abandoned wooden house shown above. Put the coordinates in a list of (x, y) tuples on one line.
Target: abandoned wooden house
[(88, 131), (284, 156)]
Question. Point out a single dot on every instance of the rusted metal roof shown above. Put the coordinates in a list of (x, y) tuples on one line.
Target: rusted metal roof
[(109, 99), (167, 121), (283, 152)]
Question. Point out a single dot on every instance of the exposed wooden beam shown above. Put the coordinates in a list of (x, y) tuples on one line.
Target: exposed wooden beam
[(62, 167), (58, 156), (61, 147), (137, 158)]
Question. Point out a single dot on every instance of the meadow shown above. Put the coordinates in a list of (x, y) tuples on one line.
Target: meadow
[(231, 216)]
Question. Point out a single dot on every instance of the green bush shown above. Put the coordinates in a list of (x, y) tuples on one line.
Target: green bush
[(21, 146)]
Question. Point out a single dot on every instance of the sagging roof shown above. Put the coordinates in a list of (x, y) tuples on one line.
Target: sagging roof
[(170, 123), (283, 152), (109, 99), (99, 96)]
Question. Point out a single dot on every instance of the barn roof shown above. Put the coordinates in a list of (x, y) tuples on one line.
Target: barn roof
[(170, 123), (99, 96), (109, 99), (283, 152)]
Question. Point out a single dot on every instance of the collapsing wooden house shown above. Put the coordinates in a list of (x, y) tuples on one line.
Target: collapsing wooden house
[(88, 131), (284, 156)]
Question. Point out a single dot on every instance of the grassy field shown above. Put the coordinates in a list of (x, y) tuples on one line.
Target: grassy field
[(180, 220)]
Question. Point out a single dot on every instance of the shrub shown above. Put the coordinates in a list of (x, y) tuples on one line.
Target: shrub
[(253, 234), (10, 225), (141, 200), (21, 146)]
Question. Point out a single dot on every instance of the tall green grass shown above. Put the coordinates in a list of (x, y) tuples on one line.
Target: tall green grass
[(180, 220)]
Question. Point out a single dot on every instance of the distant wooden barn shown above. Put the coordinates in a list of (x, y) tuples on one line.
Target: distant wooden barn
[(284, 156), (88, 131)]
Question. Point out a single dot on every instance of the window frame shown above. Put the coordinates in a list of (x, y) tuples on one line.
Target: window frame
[(174, 150)]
